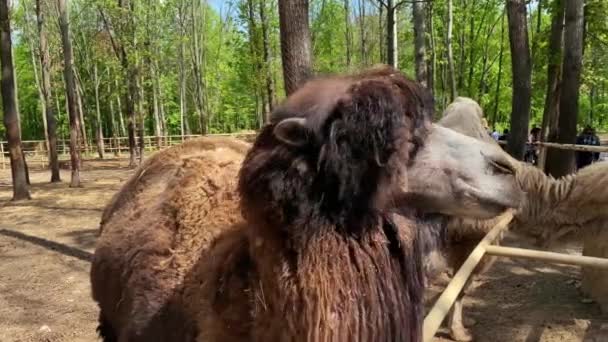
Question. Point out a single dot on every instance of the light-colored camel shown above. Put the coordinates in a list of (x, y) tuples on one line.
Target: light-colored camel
[(330, 248), (552, 209)]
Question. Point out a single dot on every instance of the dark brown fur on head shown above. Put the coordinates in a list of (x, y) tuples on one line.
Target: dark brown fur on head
[(334, 260), (357, 128)]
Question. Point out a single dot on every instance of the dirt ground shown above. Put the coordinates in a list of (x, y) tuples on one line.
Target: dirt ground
[(46, 246)]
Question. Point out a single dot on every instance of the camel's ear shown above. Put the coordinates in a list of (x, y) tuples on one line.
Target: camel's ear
[(292, 131)]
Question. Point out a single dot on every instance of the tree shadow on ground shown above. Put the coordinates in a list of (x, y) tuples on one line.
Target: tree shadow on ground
[(84, 238), (51, 245)]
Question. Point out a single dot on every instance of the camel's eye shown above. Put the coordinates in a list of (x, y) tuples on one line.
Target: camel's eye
[(502, 167)]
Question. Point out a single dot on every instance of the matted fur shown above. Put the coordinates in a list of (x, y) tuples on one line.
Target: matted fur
[(153, 229), (347, 270), (323, 256)]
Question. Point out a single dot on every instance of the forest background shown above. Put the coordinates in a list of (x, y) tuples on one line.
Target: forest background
[(196, 66)]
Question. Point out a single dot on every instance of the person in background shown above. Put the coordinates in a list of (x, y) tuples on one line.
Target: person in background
[(531, 153), (504, 137), (495, 135), (587, 137)]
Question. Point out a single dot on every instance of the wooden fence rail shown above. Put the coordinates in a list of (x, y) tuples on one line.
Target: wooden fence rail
[(36, 151), (442, 306), (570, 147)]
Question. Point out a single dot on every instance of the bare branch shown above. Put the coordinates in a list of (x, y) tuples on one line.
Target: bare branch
[(115, 46)]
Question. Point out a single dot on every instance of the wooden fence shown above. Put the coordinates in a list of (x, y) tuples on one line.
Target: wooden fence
[(36, 150), (442, 306)]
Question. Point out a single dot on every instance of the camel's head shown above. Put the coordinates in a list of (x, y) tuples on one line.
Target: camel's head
[(460, 176), (347, 145)]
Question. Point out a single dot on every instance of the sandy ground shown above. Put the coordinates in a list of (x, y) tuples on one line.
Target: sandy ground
[(46, 246), (45, 249)]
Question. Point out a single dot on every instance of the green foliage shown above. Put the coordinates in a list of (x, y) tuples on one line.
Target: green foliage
[(234, 70)]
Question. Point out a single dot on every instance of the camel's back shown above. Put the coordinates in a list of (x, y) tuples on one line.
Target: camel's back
[(589, 190), (152, 177), (174, 205)]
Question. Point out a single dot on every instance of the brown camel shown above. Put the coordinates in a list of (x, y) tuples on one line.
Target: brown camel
[(342, 193), (552, 210)]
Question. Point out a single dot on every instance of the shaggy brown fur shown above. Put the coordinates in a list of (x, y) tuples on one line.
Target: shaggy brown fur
[(152, 231), (324, 256), (552, 209)]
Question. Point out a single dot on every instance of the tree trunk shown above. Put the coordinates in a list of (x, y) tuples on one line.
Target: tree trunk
[(156, 115), (9, 101), (362, 32), (197, 66), (114, 124), (420, 42), (140, 115), (295, 43), (51, 118), (257, 63), (391, 34), (453, 92), (70, 86), (161, 106), (182, 68), (130, 94), (131, 98), (121, 120), (98, 123), (472, 39), (499, 78), (568, 106), (432, 70), (80, 105), (522, 74), (462, 42), (381, 35), (37, 78), (267, 62), (591, 104), (347, 34), (484, 65), (548, 156)]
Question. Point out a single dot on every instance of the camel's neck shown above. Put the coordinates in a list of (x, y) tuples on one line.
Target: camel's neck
[(545, 195), (338, 287)]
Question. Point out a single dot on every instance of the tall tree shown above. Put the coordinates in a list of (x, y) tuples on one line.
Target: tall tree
[(392, 51), (419, 13), (270, 89), (181, 21), (548, 157), (70, 88), (51, 119), (122, 46), (9, 102), (499, 78), (568, 105), (295, 43), (432, 66), (522, 76), (362, 32), (448, 44), (98, 123), (347, 33), (198, 59)]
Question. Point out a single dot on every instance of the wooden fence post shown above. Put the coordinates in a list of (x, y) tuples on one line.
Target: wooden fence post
[(2, 153)]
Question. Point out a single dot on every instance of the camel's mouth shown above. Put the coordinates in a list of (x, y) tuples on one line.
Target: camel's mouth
[(484, 202)]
